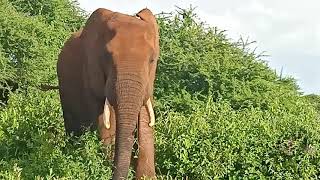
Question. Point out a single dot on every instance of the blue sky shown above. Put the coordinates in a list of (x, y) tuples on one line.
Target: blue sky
[(289, 30)]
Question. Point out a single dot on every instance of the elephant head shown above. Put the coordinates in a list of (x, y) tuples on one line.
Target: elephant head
[(108, 69)]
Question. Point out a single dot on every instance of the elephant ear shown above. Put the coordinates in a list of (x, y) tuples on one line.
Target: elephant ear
[(93, 37), (147, 16)]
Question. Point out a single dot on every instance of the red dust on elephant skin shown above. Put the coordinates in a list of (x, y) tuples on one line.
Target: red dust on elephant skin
[(106, 74)]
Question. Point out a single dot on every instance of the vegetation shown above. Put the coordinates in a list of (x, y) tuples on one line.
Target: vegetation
[(221, 111), (315, 100)]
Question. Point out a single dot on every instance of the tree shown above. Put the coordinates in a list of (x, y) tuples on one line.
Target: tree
[(31, 35)]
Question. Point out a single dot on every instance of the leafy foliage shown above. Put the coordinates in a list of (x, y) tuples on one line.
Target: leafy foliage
[(201, 61), (59, 13), (315, 101), (30, 42), (32, 137), (222, 113)]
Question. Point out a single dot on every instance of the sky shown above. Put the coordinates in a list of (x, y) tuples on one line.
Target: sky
[(288, 30)]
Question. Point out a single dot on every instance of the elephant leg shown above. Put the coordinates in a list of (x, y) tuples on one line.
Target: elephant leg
[(145, 164), (107, 136)]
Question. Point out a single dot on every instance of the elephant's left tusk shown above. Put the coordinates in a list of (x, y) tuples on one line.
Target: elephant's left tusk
[(151, 113), (106, 114)]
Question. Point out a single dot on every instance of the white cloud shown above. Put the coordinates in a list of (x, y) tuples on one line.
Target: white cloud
[(288, 30)]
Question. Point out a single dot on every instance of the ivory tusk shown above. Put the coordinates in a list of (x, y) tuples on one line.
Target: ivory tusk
[(151, 113), (106, 114)]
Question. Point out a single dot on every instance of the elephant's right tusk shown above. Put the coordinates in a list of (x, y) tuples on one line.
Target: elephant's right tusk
[(151, 113), (106, 114)]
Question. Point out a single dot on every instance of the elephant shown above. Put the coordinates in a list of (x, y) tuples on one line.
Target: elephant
[(106, 74)]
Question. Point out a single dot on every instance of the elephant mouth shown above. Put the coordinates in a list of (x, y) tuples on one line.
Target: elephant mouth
[(107, 108)]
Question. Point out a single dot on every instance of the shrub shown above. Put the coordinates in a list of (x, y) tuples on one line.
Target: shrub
[(33, 142), (31, 36)]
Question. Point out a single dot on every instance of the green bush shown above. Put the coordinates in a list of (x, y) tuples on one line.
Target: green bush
[(222, 113), (315, 101), (217, 142), (32, 139), (201, 61), (30, 41)]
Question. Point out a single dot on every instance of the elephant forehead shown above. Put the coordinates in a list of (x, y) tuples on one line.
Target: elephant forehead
[(133, 31), (129, 26), (130, 39)]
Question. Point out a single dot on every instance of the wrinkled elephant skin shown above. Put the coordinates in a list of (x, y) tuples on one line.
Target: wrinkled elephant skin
[(106, 75)]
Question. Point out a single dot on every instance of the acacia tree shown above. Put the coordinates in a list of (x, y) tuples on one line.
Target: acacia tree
[(31, 35)]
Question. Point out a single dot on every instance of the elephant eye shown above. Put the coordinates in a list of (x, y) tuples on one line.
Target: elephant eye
[(151, 60)]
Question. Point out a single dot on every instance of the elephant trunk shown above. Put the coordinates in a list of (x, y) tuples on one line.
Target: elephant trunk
[(129, 101)]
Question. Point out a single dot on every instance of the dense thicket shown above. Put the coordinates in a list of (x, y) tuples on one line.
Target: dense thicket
[(315, 100), (221, 112), (31, 35)]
